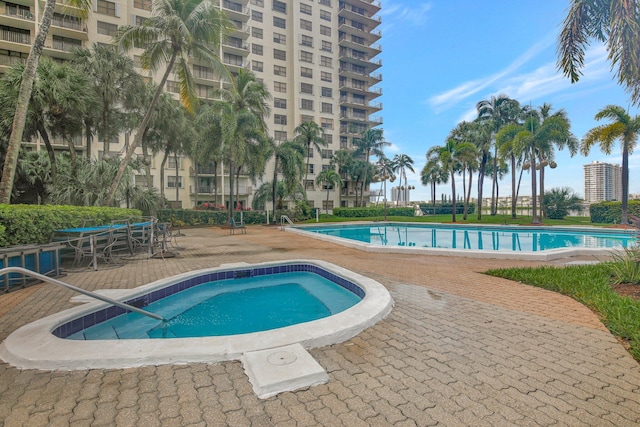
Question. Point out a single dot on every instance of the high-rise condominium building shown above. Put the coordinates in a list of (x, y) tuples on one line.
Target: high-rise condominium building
[(316, 57), (602, 181)]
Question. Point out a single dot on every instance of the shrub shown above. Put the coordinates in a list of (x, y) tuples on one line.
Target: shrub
[(372, 212), (611, 212)]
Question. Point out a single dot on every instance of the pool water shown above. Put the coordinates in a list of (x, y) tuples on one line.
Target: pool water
[(231, 306), (505, 239)]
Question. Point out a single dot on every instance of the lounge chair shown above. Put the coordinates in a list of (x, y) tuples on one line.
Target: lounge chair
[(237, 226)]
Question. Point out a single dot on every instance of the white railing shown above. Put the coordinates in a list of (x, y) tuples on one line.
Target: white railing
[(284, 220)]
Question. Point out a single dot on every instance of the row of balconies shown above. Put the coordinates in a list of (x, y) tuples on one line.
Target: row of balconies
[(349, 115), (346, 99), (243, 190)]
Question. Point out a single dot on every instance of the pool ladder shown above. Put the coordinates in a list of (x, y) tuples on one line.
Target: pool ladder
[(284, 220), (5, 272)]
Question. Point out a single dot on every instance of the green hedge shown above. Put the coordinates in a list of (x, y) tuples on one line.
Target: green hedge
[(29, 224), (446, 209), (193, 217), (372, 211), (611, 212)]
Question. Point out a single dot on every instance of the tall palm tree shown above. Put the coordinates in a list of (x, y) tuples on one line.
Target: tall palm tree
[(447, 155), (497, 111), (615, 22), (401, 162), (370, 142), (117, 87), (433, 174), (342, 159), (624, 128), (331, 179), (482, 141), (176, 32), (508, 148), (24, 94), (289, 161), (309, 134)]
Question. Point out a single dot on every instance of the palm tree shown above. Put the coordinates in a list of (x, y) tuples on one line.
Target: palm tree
[(177, 31), (615, 22), (24, 94), (401, 162), (370, 142), (508, 148), (330, 179), (343, 159), (497, 112), (117, 87), (559, 201), (289, 161), (433, 174), (447, 156), (623, 128), (309, 134)]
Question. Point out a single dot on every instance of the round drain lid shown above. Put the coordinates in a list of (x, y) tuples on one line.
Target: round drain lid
[(281, 358)]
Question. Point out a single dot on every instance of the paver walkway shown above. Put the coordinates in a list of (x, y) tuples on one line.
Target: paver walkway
[(459, 348)]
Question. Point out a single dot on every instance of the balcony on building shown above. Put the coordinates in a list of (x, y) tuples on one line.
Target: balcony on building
[(353, 41), (363, 11), (351, 27), (16, 16), (235, 45), (359, 58), (68, 26), (235, 10), (61, 47)]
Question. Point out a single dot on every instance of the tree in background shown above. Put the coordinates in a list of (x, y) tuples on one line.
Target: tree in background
[(370, 142), (331, 179), (309, 134), (433, 174), (559, 201), (623, 127)]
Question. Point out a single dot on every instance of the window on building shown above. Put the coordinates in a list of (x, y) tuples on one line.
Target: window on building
[(306, 88), (306, 56), (204, 91), (325, 61), (326, 123), (306, 119), (327, 204), (107, 8), (306, 41), (326, 46), (306, 72), (256, 49), (279, 22), (280, 71), (344, 143), (171, 163), (325, 76), (310, 152), (279, 119), (325, 31), (142, 4), (256, 16), (327, 107), (326, 168), (256, 32), (280, 87), (325, 2), (306, 25), (172, 180), (279, 38), (327, 92), (279, 103), (258, 2), (279, 54), (107, 29), (326, 15), (306, 104), (309, 185), (328, 138), (257, 66), (306, 9), (311, 168), (280, 135), (327, 154), (233, 59), (172, 86), (279, 6), (202, 72)]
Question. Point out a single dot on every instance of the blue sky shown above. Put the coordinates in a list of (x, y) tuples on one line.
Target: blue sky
[(441, 57)]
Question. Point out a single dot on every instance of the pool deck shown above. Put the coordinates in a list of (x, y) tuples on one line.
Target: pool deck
[(459, 348)]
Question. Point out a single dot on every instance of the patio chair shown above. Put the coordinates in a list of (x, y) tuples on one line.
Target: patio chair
[(237, 226)]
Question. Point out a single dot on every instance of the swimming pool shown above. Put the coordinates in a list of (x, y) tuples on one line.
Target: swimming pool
[(522, 242), (44, 344)]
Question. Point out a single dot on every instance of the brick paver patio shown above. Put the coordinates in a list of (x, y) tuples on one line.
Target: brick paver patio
[(459, 348)]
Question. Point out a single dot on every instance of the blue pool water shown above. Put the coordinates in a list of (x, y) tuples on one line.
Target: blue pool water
[(232, 306), (501, 238)]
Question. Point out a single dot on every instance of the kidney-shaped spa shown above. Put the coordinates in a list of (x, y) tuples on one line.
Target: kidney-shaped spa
[(211, 315)]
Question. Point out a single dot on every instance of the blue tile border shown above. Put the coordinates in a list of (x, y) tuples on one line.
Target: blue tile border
[(76, 325)]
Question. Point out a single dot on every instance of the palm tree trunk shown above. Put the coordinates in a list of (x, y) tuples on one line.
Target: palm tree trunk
[(231, 167), (514, 196), (22, 104), (453, 193), (541, 192), (274, 187), (197, 185), (625, 183), (494, 201), (433, 196), (52, 155), (534, 185), (162, 165), (468, 195), (481, 173), (140, 132)]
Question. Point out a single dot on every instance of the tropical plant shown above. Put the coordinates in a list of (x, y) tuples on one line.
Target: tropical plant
[(625, 267), (433, 174), (401, 162), (615, 22), (24, 93), (117, 88), (289, 161), (370, 142), (265, 194), (309, 134), (559, 201), (495, 112), (176, 32), (330, 179), (32, 177), (509, 149), (624, 128), (467, 156)]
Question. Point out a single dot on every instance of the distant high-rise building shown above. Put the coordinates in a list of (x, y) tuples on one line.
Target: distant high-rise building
[(319, 60), (602, 181)]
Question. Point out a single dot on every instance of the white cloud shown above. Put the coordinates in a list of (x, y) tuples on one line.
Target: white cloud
[(398, 14)]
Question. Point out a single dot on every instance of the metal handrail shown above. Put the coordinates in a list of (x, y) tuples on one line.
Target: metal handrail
[(284, 219), (42, 277)]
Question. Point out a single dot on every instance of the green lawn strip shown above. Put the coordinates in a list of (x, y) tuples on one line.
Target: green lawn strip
[(590, 285), (472, 219)]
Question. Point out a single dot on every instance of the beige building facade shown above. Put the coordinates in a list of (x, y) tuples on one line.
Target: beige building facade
[(318, 58), (602, 181)]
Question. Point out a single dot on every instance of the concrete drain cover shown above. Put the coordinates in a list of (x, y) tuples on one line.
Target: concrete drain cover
[(282, 369)]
